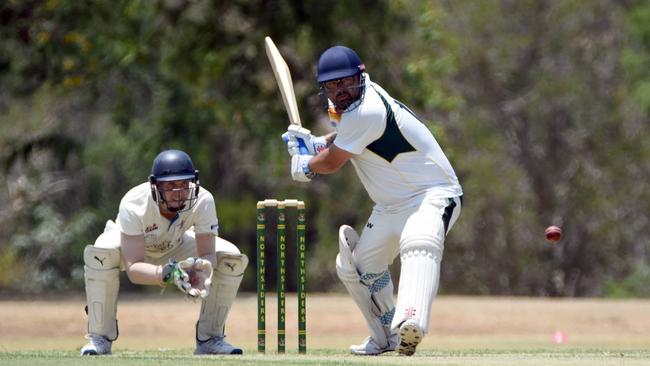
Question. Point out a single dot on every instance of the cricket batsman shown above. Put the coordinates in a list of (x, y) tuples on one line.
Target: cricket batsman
[(165, 234), (416, 193)]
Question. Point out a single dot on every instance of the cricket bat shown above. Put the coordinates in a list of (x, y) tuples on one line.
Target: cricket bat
[(283, 78)]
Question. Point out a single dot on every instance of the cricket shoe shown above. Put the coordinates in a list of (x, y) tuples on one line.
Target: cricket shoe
[(410, 334), (370, 348), (216, 346), (97, 345)]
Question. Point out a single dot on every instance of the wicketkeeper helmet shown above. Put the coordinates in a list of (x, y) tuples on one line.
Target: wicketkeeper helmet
[(173, 165)]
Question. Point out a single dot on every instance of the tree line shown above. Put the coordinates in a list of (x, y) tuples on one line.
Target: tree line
[(542, 107)]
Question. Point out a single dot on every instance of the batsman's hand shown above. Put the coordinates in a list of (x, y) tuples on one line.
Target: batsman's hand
[(300, 140), (300, 171), (193, 276)]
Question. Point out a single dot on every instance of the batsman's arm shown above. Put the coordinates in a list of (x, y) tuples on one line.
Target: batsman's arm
[(329, 138), (137, 270), (329, 160)]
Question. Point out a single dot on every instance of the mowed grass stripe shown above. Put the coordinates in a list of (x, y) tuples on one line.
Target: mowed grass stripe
[(329, 357)]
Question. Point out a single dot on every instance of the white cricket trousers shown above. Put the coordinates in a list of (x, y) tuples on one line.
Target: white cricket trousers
[(387, 232)]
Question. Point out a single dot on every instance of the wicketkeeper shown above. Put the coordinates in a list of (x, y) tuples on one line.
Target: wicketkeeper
[(165, 234), (416, 193)]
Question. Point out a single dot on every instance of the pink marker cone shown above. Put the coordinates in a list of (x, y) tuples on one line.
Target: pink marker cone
[(559, 337)]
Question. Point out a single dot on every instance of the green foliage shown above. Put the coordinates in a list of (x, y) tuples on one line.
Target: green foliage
[(636, 284), (541, 106), (50, 249), (9, 272)]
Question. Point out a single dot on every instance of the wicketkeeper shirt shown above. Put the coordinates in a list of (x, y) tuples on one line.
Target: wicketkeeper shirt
[(139, 215)]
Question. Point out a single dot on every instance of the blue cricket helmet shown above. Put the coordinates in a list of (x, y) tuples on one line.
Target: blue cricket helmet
[(172, 165), (338, 62)]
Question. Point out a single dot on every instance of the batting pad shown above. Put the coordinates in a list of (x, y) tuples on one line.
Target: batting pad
[(102, 279), (418, 285), (372, 292), (227, 276)]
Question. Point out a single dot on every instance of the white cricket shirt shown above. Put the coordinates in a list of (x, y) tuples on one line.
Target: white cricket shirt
[(139, 215), (396, 156)]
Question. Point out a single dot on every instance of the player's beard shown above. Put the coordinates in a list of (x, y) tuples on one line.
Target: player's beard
[(343, 100)]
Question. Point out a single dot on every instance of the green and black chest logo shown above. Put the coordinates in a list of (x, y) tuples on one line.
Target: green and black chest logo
[(392, 142)]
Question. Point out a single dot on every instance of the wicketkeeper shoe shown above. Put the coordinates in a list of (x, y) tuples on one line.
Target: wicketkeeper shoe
[(97, 345), (216, 346), (410, 335), (370, 348)]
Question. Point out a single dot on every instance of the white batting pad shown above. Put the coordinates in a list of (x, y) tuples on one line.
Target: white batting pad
[(348, 239), (102, 278), (372, 292), (227, 277), (418, 285)]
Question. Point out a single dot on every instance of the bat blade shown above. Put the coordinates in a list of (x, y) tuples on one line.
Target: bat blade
[(283, 78)]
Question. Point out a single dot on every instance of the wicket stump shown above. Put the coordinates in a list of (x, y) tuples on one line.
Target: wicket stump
[(281, 272)]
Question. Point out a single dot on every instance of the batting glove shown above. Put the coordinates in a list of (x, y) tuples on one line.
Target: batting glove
[(300, 171), (308, 144), (293, 146)]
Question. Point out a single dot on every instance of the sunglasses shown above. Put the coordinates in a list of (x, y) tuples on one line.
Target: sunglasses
[(333, 85)]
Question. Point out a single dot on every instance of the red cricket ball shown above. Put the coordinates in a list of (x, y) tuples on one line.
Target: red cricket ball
[(553, 234)]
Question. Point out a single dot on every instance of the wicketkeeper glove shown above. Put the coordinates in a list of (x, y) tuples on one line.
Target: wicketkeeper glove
[(300, 140), (193, 276)]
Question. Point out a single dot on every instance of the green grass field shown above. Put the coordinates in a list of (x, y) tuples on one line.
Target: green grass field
[(468, 357), (158, 330)]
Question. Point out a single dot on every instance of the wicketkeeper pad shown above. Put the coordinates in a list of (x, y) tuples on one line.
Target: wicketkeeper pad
[(102, 279), (214, 310)]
